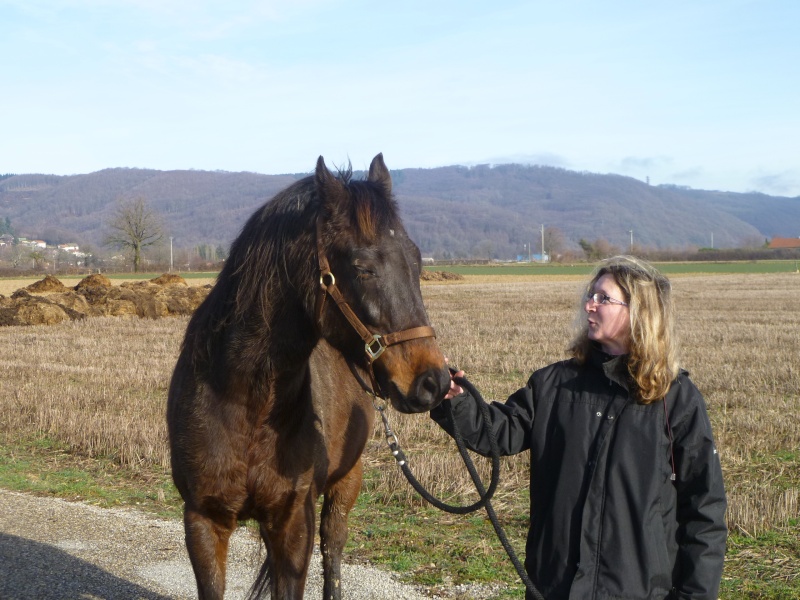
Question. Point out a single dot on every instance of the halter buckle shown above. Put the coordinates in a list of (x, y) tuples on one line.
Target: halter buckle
[(374, 348)]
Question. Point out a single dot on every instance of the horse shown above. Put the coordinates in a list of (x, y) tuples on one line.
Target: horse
[(318, 302)]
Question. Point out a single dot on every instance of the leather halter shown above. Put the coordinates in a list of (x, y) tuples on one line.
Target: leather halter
[(374, 343)]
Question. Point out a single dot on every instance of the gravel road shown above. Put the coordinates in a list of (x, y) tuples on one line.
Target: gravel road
[(56, 550)]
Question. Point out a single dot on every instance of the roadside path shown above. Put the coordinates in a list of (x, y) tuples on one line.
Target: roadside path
[(51, 549)]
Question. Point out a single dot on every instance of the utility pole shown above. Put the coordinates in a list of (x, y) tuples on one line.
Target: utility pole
[(542, 242), (631, 232), (712, 240), (170, 254)]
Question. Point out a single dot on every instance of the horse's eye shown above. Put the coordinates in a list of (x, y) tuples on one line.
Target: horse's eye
[(364, 272)]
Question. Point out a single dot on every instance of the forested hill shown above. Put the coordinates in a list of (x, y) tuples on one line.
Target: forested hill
[(483, 211)]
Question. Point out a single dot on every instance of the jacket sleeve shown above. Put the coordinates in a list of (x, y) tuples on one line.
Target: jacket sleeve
[(702, 532), (511, 422)]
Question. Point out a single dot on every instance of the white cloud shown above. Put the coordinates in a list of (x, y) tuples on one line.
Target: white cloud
[(786, 183)]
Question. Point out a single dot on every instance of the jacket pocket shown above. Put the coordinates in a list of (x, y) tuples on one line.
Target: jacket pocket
[(662, 576)]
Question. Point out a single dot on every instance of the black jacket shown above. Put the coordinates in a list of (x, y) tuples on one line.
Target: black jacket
[(607, 521)]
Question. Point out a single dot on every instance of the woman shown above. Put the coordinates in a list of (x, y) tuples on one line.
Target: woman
[(626, 492)]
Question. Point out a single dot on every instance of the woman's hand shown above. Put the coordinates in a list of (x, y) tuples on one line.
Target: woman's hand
[(455, 389)]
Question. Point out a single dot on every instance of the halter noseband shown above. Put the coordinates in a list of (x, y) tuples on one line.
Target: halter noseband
[(374, 343)]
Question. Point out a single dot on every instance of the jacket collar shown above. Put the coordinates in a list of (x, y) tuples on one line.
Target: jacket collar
[(614, 367)]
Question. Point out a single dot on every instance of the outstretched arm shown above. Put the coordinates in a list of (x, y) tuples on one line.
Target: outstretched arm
[(511, 421)]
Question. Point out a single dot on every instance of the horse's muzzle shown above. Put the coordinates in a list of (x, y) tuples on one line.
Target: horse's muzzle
[(426, 391)]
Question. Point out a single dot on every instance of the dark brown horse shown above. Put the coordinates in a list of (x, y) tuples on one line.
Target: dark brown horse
[(266, 409)]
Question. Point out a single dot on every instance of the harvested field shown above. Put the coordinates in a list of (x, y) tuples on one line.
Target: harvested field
[(98, 387), (740, 339)]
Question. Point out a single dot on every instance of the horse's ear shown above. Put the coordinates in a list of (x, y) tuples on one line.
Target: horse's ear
[(328, 186), (378, 173)]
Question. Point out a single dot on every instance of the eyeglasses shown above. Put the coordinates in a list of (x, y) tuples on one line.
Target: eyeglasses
[(601, 298)]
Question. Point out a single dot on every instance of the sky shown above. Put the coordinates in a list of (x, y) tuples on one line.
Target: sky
[(697, 93)]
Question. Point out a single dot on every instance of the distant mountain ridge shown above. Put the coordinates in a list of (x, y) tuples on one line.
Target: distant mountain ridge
[(482, 211)]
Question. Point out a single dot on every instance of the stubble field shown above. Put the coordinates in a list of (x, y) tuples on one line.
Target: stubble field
[(88, 393)]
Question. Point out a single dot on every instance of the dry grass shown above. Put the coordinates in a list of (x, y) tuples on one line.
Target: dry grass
[(99, 386), (741, 343)]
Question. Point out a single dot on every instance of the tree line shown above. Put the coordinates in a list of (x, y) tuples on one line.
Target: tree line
[(136, 229), (490, 212)]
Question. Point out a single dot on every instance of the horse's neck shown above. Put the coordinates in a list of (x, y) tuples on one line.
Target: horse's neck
[(273, 345)]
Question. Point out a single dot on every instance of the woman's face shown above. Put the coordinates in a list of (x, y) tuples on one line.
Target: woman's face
[(609, 322)]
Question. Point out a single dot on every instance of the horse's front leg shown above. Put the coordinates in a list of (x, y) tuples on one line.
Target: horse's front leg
[(339, 500), (207, 544), (289, 538)]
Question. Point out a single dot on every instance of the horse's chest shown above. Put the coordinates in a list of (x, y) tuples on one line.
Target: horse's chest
[(284, 449)]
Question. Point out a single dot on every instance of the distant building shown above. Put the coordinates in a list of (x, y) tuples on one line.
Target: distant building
[(778, 242), (540, 258), (32, 243)]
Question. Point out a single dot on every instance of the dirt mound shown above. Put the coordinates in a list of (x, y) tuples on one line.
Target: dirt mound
[(93, 281), (94, 288), (45, 303), (48, 284), (26, 309), (169, 279), (440, 276)]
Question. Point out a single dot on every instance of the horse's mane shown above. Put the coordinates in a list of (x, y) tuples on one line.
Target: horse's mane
[(274, 257)]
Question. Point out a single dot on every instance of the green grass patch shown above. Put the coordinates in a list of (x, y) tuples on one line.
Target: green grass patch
[(422, 544), (764, 567), (781, 470), (41, 466), (433, 548), (582, 270), (515, 269), (733, 267)]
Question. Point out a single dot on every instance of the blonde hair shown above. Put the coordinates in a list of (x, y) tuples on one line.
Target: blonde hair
[(653, 352)]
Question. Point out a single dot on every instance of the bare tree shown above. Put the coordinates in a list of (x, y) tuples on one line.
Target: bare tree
[(554, 242), (134, 226), (38, 258)]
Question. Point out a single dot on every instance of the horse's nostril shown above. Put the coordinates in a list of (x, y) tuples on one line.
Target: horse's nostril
[(427, 391), (430, 385)]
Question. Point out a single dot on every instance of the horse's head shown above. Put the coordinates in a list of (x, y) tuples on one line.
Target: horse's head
[(369, 264)]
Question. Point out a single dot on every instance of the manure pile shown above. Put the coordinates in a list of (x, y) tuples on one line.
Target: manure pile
[(49, 301), (440, 276)]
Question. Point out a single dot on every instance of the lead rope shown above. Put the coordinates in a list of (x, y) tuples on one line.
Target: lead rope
[(400, 457), (484, 494)]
